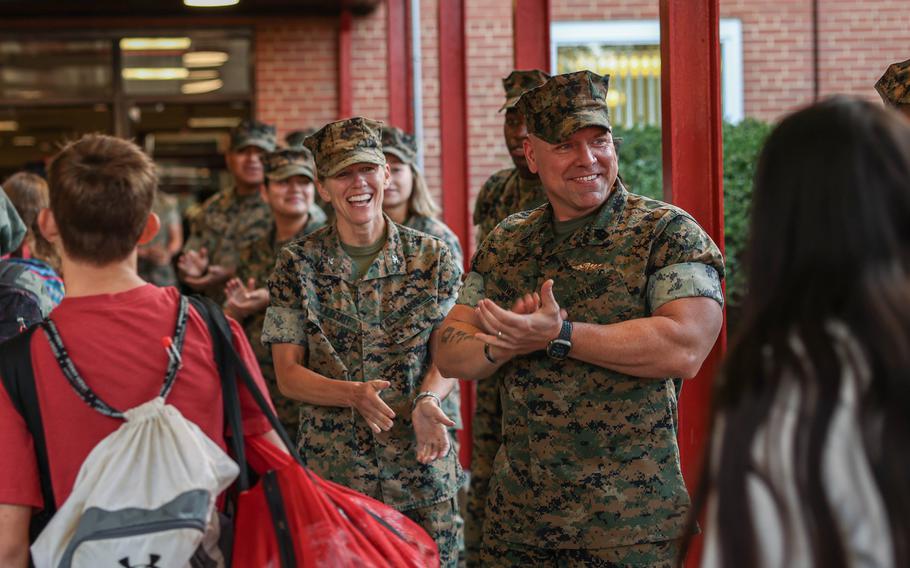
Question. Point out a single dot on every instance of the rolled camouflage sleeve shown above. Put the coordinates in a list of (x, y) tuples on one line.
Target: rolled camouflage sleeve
[(286, 316), (685, 263), (449, 281), (472, 289)]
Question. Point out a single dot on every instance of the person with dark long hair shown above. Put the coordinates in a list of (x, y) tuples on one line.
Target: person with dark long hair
[(809, 463)]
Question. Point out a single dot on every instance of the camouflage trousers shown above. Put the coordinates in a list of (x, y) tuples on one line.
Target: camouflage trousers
[(486, 437), (497, 553), (440, 522)]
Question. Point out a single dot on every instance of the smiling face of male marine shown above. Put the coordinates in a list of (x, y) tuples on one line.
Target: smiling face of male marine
[(577, 173)]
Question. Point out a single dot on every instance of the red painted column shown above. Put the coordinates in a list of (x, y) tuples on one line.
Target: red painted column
[(453, 123), (693, 177), (398, 64), (531, 34), (345, 86)]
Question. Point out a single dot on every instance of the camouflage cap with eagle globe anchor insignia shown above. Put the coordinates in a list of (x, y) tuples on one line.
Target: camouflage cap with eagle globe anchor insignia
[(565, 104), (894, 84), (339, 144), (520, 81), (286, 162), (400, 144), (253, 133)]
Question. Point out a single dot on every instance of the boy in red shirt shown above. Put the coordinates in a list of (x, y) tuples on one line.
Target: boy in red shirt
[(112, 323)]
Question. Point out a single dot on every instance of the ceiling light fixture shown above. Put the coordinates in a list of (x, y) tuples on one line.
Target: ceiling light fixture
[(205, 58), (152, 43), (209, 3), (200, 74), (155, 73), (214, 122), (8, 126), (200, 87)]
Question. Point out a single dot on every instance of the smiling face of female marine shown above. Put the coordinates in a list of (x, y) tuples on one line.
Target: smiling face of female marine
[(356, 194)]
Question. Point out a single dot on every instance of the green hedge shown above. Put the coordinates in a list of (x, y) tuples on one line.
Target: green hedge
[(640, 167)]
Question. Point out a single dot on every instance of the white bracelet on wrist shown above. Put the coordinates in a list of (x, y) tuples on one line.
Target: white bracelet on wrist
[(426, 394)]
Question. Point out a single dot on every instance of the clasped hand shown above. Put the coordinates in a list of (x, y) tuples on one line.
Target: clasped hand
[(533, 321)]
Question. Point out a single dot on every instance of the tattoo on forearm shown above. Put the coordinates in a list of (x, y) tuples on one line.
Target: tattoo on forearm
[(452, 335)]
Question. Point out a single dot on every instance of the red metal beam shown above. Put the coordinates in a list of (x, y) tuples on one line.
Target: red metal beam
[(531, 39), (345, 87), (453, 122), (398, 64), (693, 177)]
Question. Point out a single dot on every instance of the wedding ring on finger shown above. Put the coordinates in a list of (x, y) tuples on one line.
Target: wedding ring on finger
[(499, 334)]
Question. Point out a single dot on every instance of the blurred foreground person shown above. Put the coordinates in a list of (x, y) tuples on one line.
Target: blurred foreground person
[(809, 461)]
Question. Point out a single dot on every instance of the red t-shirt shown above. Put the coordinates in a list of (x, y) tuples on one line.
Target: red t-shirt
[(115, 342)]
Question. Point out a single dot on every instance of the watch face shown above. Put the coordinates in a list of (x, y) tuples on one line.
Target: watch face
[(559, 348)]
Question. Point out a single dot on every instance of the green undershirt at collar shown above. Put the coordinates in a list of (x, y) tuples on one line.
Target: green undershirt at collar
[(363, 257), (564, 229)]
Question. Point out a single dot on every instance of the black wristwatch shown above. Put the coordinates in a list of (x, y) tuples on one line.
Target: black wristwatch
[(559, 348)]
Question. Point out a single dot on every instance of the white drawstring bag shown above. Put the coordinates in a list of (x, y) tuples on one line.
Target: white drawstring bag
[(145, 495)]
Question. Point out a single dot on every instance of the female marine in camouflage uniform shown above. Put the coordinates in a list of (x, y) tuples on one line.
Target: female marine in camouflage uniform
[(351, 310)]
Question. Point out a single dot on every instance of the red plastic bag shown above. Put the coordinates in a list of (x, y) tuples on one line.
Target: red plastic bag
[(290, 517), (326, 524)]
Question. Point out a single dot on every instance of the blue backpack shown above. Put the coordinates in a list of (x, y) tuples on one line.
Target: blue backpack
[(20, 304)]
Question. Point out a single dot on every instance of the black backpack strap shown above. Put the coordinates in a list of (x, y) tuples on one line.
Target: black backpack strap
[(173, 347), (231, 366), (19, 381)]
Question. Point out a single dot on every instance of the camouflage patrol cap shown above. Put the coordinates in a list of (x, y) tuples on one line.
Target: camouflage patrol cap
[(286, 162), (400, 144), (894, 85), (520, 81), (339, 144), (253, 133), (297, 137), (565, 104)]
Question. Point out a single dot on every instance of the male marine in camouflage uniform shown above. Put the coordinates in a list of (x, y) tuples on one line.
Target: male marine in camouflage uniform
[(514, 189), (613, 296), (894, 86), (288, 191), (351, 310), (232, 218), (506, 192)]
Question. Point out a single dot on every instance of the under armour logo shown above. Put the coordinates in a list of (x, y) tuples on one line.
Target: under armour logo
[(153, 562)]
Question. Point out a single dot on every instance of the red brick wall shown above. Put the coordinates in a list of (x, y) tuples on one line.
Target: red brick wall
[(857, 40), (296, 75), (858, 43), (296, 63)]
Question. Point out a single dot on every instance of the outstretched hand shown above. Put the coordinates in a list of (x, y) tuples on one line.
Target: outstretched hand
[(243, 300), (534, 320), (367, 402), (431, 429), (192, 263)]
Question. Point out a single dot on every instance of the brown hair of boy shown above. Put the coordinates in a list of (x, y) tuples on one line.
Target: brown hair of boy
[(29, 195), (101, 192)]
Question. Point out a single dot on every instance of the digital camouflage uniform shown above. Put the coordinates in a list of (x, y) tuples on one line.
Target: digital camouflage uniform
[(504, 193), (589, 460), (404, 146), (165, 206), (227, 222), (257, 261), (894, 84), (376, 327)]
